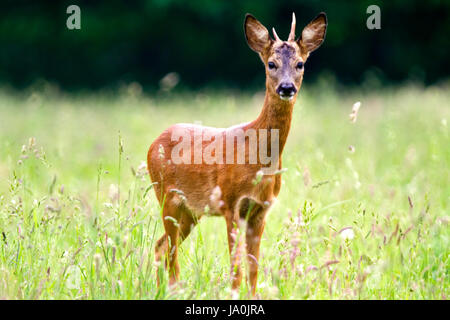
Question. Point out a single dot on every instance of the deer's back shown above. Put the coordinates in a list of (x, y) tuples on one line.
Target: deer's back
[(212, 188)]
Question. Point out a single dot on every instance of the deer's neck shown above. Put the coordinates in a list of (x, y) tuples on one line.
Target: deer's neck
[(275, 114)]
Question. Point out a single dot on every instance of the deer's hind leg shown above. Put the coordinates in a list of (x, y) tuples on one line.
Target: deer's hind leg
[(178, 223)]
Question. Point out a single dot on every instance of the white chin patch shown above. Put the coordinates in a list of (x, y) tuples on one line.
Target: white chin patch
[(286, 98)]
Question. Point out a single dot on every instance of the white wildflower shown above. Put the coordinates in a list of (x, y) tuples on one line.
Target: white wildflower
[(354, 114), (347, 234)]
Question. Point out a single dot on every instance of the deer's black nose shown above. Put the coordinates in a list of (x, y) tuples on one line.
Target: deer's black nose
[(286, 90)]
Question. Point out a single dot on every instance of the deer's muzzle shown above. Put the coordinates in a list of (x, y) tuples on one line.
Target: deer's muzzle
[(286, 90)]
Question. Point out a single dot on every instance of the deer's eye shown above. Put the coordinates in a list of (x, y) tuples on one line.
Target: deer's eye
[(271, 65), (300, 65)]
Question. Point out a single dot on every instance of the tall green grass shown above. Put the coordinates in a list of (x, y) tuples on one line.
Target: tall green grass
[(363, 212)]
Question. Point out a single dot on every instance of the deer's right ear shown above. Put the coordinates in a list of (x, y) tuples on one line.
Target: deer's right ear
[(256, 34), (314, 33)]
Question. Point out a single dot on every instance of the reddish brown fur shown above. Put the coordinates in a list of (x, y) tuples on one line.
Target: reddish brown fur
[(239, 197)]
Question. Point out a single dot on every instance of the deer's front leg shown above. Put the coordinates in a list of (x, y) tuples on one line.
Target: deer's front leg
[(236, 248), (255, 228)]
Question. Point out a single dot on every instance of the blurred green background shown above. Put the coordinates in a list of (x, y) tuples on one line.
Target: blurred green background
[(203, 42)]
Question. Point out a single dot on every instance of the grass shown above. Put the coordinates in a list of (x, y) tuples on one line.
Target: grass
[(363, 212)]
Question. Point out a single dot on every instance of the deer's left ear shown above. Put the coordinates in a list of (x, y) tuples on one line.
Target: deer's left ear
[(314, 33), (256, 34)]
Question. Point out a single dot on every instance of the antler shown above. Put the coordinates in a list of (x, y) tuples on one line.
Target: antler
[(275, 35), (292, 33)]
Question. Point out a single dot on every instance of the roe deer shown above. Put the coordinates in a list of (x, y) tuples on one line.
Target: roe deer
[(189, 188)]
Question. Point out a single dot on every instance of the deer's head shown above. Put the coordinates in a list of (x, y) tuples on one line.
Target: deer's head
[(285, 60)]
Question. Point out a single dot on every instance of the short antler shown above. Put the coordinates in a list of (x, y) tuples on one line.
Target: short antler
[(292, 33), (275, 35)]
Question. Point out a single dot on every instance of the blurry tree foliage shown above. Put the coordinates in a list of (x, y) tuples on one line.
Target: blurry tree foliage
[(203, 43)]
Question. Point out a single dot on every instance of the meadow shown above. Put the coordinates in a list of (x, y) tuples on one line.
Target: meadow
[(363, 211)]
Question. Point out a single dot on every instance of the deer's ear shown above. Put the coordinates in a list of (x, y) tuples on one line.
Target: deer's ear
[(314, 33), (256, 34)]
